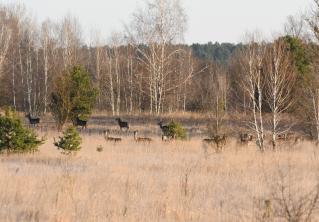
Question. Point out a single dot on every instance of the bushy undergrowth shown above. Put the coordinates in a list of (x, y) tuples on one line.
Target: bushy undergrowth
[(70, 141), (176, 130), (14, 137)]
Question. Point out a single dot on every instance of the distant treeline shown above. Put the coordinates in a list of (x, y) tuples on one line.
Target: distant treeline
[(219, 52), (147, 68)]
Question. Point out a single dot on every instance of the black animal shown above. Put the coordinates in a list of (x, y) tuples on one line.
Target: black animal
[(33, 121), (122, 124), (79, 122), (165, 129)]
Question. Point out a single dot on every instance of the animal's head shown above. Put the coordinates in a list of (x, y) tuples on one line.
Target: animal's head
[(118, 119)]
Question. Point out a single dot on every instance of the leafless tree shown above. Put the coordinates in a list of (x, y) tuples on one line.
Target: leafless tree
[(115, 43), (279, 78), (296, 26), (313, 90), (313, 93), (48, 42), (313, 20), (5, 36), (252, 58), (70, 41), (159, 25), (98, 45)]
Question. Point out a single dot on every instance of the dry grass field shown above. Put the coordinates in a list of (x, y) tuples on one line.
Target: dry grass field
[(177, 181)]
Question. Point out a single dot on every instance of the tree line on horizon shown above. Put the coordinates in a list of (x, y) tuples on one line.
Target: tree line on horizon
[(147, 68)]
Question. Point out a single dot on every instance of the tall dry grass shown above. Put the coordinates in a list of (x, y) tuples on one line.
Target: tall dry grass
[(176, 181)]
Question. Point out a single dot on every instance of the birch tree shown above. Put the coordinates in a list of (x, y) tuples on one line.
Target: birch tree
[(29, 48), (70, 41), (48, 48), (219, 103), (295, 26), (98, 46), (5, 36), (160, 24), (114, 59), (252, 58), (280, 79), (312, 91)]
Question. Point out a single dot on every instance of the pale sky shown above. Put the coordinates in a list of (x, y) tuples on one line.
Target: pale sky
[(208, 20)]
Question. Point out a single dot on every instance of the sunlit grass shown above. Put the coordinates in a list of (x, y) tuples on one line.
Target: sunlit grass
[(174, 181)]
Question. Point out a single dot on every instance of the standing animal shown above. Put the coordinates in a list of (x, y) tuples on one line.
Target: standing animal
[(164, 128), (32, 120), (245, 138), (122, 124), (79, 122), (141, 139), (220, 141), (110, 139), (166, 133)]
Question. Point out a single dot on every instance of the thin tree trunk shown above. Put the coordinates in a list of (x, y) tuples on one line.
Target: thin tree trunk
[(46, 61), (22, 79), (118, 100), (13, 86), (111, 87)]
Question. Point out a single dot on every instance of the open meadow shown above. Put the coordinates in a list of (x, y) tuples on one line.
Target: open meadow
[(159, 111), (160, 181)]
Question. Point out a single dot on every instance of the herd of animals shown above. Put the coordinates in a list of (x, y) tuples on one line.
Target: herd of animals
[(218, 140)]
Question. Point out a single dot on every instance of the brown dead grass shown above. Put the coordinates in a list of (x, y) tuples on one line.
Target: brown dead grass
[(159, 182)]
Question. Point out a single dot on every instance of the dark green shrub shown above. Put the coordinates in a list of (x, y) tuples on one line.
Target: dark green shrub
[(14, 137), (70, 141), (176, 130), (73, 96)]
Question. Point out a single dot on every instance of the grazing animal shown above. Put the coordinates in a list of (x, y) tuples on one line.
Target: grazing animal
[(79, 122), (122, 124), (245, 138), (32, 120), (220, 141), (141, 139), (111, 139)]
